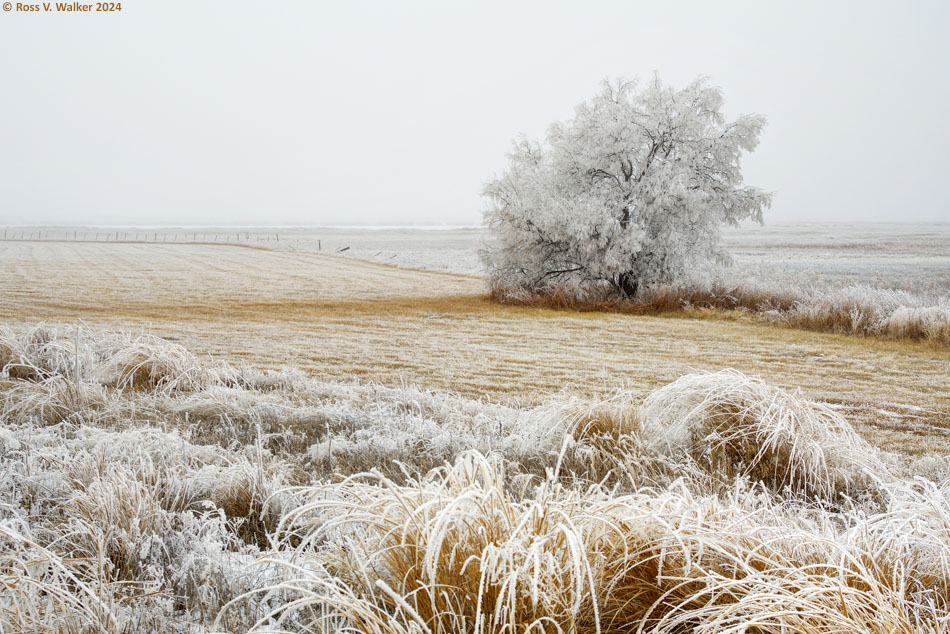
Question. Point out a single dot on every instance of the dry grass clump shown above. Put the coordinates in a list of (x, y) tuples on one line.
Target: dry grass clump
[(453, 552), (152, 363), (53, 400), (41, 353), (736, 425), (614, 417), (855, 310), (13, 357), (145, 362), (9, 347), (135, 516), (119, 519), (251, 494), (910, 535), (41, 591), (865, 310), (457, 551), (930, 323), (601, 444)]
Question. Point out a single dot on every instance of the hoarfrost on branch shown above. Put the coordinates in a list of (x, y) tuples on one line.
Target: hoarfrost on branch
[(630, 194)]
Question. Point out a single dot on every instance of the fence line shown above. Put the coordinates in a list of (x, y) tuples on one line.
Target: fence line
[(181, 237), (161, 237)]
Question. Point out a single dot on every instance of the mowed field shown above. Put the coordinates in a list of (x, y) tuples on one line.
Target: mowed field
[(349, 319)]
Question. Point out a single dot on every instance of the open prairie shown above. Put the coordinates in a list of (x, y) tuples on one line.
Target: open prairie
[(886, 255), (350, 319), (207, 437)]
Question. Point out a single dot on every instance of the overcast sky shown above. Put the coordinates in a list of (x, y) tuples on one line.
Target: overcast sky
[(287, 112)]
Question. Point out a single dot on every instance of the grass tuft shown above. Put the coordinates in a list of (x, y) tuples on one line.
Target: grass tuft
[(734, 425)]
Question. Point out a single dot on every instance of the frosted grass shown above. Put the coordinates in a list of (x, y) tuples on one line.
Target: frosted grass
[(274, 501)]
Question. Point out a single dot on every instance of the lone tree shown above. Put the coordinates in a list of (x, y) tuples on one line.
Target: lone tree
[(629, 194)]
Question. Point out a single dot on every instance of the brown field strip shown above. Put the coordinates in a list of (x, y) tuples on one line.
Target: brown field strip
[(348, 319)]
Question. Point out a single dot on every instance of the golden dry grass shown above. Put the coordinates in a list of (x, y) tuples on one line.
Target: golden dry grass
[(456, 551), (341, 318)]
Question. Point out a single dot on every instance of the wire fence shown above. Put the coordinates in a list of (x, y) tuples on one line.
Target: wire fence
[(236, 237)]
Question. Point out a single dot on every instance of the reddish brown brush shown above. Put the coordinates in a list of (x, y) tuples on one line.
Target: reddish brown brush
[(667, 299), (847, 311)]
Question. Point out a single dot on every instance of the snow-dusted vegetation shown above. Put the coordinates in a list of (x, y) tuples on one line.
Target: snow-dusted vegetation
[(856, 309), (629, 194), (622, 207), (147, 489)]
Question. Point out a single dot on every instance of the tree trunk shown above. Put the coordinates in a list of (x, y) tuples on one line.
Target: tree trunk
[(627, 285)]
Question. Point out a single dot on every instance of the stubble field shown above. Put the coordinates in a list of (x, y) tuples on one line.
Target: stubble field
[(344, 318)]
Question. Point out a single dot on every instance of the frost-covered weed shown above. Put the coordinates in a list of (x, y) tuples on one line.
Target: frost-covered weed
[(864, 309), (856, 309), (457, 551), (141, 515), (929, 323), (741, 426), (109, 358)]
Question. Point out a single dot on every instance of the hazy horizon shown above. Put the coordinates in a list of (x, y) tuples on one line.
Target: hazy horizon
[(299, 114), (422, 226)]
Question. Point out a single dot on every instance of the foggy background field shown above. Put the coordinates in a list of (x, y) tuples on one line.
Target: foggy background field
[(906, 256)]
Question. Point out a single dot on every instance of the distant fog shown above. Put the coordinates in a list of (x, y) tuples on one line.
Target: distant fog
[(199, 112)]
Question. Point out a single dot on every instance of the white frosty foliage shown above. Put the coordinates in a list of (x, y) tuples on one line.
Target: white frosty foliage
[(630, 193)]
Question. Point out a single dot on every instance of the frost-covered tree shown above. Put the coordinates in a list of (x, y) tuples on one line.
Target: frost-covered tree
[(629, 194)]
